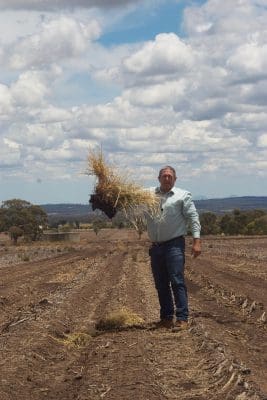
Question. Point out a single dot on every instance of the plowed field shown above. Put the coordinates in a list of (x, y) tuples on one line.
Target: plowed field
[(53, 296)]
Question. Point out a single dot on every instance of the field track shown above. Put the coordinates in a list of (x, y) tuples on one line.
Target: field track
[(46, 301)]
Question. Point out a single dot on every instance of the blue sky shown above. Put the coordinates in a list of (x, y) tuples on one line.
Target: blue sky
[(153, 82), (144, 23)]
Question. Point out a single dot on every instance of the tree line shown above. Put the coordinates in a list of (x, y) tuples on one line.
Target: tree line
[(237, 222), (21, 218)]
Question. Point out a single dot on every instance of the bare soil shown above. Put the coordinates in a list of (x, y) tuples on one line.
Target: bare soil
[(51, 292)]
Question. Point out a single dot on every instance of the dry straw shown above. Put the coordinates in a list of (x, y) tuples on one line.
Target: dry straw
[(122, 318), (118, 191), (78, 340)]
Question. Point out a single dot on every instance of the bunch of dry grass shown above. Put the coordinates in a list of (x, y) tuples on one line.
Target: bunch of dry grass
[(115, 191), (118, 319), (78, 339)]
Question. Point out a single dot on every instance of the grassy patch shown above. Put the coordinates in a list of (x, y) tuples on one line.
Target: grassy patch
[(77, 340), (122, 318)]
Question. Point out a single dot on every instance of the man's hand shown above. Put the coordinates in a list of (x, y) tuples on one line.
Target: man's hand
[(196, 248)]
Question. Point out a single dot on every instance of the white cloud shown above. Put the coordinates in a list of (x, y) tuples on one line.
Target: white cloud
[(167, 54), (217, 18), (249, 60), (9, 154), (167, 57), (262, 140), (198, 136), (18, 24), (30, 89), (57, 40), (52, 114), (112, 115), (40, 136), (167, 93), (248, 121)]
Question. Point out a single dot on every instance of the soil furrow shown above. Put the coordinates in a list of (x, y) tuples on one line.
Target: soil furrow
[(245, 338)]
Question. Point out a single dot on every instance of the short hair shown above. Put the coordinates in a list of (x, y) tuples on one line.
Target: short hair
[(167, 167)]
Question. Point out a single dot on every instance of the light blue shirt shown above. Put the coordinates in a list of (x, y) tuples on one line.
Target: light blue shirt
[(177, 214)]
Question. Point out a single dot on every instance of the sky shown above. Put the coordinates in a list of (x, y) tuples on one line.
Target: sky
[(151, 83)]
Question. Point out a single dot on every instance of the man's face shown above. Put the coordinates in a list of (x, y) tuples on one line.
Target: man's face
[(167, 180)]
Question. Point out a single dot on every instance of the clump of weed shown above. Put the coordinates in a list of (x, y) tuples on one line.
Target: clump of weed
[(122, 318), (77, 340), (115, 192)]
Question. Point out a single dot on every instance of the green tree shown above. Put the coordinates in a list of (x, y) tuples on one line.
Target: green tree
[(209, 223), (257, 213), (241, 219), (250, 222), (258, 226), (21, 214), (97, 225), (228, 225)]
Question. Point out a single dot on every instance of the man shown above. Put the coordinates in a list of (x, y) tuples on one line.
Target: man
[(167, 233)]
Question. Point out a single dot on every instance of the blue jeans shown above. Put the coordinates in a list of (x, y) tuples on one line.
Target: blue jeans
[(167, 263)]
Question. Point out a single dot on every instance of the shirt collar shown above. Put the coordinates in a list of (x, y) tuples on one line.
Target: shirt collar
[(158, 191)]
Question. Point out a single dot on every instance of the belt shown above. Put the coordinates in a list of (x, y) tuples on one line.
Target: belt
[(167, 241)]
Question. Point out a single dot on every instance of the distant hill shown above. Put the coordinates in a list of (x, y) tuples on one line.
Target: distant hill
[(228, 204), (72, 212), (68, 212), (67, 209)]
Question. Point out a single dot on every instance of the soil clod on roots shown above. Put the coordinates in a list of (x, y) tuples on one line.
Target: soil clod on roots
[(100, 204)]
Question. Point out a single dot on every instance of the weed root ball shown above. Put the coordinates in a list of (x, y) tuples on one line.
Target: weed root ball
[(98, 203)]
